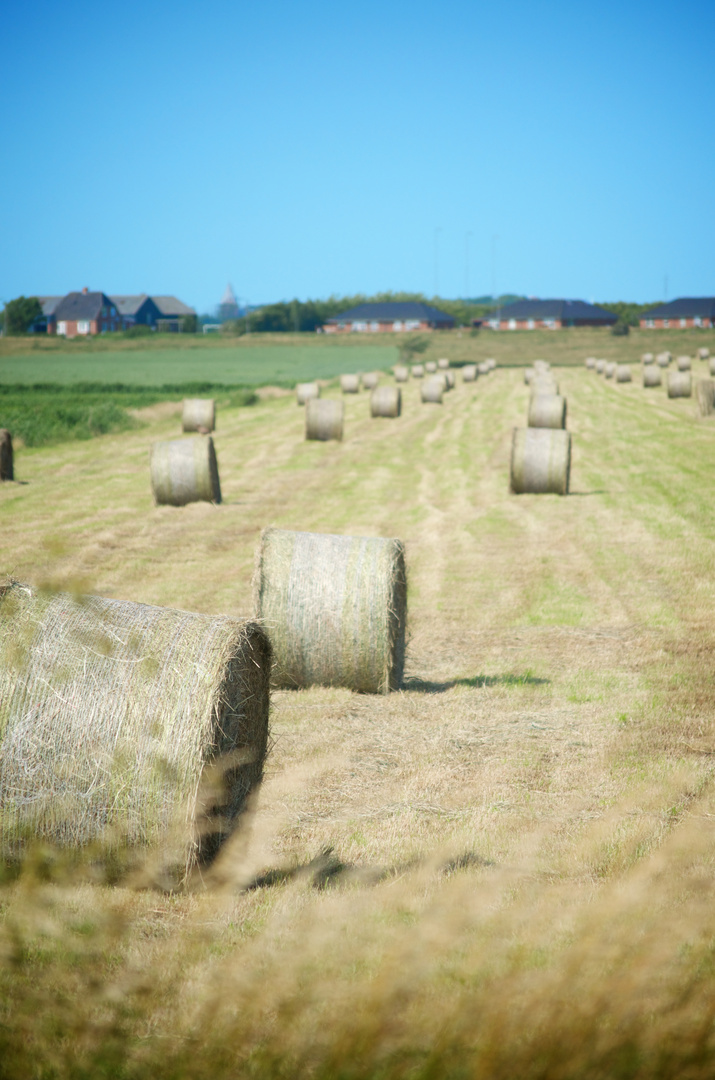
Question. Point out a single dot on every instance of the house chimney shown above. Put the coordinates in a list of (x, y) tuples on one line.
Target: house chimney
[(85, 290)]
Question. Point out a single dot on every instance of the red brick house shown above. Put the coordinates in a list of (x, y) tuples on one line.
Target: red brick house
[(683, 313), (549, 315), (85, 312), (389, 318)]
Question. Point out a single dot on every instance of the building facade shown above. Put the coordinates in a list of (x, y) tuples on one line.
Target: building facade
[(686, 312), (549, 315), (85, 312), (389, 318)]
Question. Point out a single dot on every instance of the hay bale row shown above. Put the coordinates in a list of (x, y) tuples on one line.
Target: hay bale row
[(127, 725), (705, 394), (683, 363), (324, 419), (623, 373), (184, 471), (432, 390), (371, 379), (600, 367), (469, 373), (663, 359), (529, 374), (540, 461), (7, 469), (590, 362), (431, 367), (198, 414), (652, 376), (335, 608), (680, 384), (402, 373), (544, 384), (443, 364), (386, 401), (304, 391), (547, 411), (541, 366), (648, 358), (483, 368), (703, 353), (350, 384), (610, 369), (418, 371)]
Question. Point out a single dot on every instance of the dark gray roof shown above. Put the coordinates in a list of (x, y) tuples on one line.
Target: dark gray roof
[(565, 310), (170, 307), (687, 307), (48, 304), (393, 311), (128, 305), (81, 305)]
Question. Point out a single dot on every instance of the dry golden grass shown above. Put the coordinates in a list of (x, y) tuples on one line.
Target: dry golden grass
[(505, 869)]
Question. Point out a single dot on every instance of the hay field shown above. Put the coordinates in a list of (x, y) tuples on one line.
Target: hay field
[(504, 870)]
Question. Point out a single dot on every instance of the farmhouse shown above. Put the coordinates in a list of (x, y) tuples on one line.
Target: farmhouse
[(136, 310), (685, 312), (171, 313), (389, 317), (42, 324), (549, 315), (85, 312)]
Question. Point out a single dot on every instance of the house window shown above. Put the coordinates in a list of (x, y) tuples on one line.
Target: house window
[(374, 326), (683, 322), (697, 321), (512, 324), (650, 324), (82, 326), (530, 324), (359, 326), (666, 324), (114, 312), (397, 325), (62, 327), (549, 323), (412, 324)]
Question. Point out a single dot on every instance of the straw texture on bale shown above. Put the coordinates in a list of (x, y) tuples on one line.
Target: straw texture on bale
[(431, 367), (386, 401), (663, 359), (418, 371), (547, 411), (402, 373), (350, 384), (684, 363), (652, 376), (705, 394), (184, 471), (648, 358), (590, 362), (712, 365), (623, 373), (469, 373), (703, 353), (600, 367), (323, 419), (443, 363), (529, 374), (610, 369), (371, 379), (199, 414), (680, 384), (127, 725), (432, 390), (306, 390), (335, 608), (540, 461), (7, 470), (483, 368)]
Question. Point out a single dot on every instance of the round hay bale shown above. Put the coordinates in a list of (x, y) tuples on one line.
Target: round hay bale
[(418, 371), (451, 379), (127, 725), (304, 391), (663, 359), (371, 379), (610, 369), (623, 373), (652, 376), (705, 395), (544, 384), (483, 368), (324, 419), (600, 367), (199, 414), (431, 391), (541, 366), (7, 471), (350, 384), (469, 373), (184, 471), (683, 363), (431, 367), (648, 358), (712, 365), (590, 362), (443, 364), (386, 401), (703, 353), (680, 384), (335, 608), (529, 374), (402, 373), (547, 411), (540, 461), (492, 363)]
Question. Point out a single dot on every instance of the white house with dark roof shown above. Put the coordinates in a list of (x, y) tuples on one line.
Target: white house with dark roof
[(85, 312), (549, 315), (389, 317), (685, 312)]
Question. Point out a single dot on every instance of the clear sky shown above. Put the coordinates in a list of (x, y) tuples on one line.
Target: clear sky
[(313, 148)]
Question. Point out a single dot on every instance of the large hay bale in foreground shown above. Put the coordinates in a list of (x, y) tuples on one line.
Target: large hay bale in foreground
[(431, 367), (199, 414), (184, 471), (623, 373), (683, 363), (600, 367), (663, 359), (705, 394), (350, 384), (680, 384), (547, 411), (443, 363), (540, 461), (703, 352), (371, 379), (386, 401), (469, 373), (418, 371), (335, 608), (304, 391), (324, 419), (648, 358), (127, 725), (402, 373), (652, 376), (432, 390), (590, 362), (7, 470)]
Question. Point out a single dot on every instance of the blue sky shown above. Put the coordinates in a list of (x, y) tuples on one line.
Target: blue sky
[(309, 149)]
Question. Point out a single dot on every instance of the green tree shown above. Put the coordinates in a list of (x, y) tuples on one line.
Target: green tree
[(189, 324), (19, 314)]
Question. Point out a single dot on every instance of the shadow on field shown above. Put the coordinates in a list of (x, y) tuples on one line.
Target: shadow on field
[(424, 686), (326, 870), (600, 491)]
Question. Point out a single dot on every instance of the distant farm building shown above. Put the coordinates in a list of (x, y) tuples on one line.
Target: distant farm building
[(85, 313), (88, 312), (389, 317), (45, 324), (172, 313), (685, 312), (136, 310), (549, 315)]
